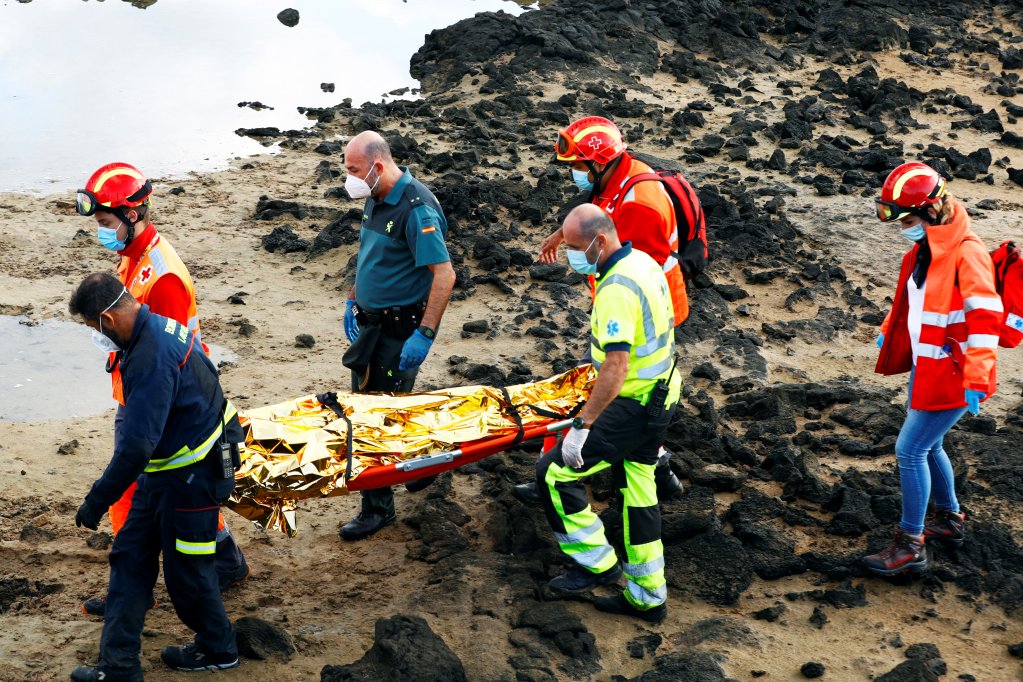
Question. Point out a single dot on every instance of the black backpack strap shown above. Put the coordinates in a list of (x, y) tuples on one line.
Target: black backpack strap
[(329, 399), (512, 410)]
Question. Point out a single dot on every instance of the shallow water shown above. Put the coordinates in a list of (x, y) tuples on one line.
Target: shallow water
[(157, 84), (51, 370)]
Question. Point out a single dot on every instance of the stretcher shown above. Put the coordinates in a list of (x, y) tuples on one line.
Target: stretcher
[(332, 443)]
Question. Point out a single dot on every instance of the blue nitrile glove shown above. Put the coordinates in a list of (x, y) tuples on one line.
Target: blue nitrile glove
[(351, 325), (414, 352), (880, 340), (973, 399)]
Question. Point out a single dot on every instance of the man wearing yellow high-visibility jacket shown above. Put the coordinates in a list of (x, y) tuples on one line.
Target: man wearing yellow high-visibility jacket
[(622, 425)]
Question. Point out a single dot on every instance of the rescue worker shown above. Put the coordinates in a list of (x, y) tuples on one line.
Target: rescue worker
[(943, 329), (175, 429), (403, 281), (118, 195), (596, 153), (620, 427)]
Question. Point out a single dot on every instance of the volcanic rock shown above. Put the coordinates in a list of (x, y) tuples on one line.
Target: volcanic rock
[(288, 17), (405, 649), (260, 640)]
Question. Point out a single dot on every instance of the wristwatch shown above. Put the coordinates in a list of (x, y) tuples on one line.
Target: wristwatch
[(579, 423), (427, 332)]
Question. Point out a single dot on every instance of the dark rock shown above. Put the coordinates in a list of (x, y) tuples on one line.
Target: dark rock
[(771, 613), (718, 477), (1016, 650), (923, 652), (327, 87), (690, 665), (564, 630), (405, 649), (439, 522), (706, 370), (712, 566), (476, 326), (908, 671), (68, 448), (100, 540), (305, 341), (342, 230), (288, 17), (260, 640), (13, 590), (812, 670), (644, 645), (284, 240), (548, 272), (818, 617)]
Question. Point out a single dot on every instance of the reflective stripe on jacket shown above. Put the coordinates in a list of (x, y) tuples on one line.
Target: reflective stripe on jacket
[(190, 455), (139, 277), (632, 309), (962, 317), (646, 217)]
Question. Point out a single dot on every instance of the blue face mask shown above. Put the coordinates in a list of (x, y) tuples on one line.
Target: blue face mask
[(582, 179), (915, 233), (580, 262), (108, 237)]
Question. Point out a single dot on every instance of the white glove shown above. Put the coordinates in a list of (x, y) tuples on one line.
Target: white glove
[(572, 447)]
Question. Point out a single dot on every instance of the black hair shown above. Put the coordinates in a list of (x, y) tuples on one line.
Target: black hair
[(96, 292)]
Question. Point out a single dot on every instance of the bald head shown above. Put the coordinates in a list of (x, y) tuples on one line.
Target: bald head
[(588, 227), (368, 157)]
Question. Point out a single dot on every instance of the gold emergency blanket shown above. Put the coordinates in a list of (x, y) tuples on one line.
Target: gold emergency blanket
[(297, 449)]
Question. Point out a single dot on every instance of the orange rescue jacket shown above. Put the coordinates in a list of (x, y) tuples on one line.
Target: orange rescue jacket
[(139, 276), (646, 218), (962, 317)]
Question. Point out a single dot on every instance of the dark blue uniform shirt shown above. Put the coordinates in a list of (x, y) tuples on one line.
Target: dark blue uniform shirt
[(172, 399)]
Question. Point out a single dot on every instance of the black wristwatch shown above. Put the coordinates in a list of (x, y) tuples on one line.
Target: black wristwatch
[(427, 332), (578, 423)]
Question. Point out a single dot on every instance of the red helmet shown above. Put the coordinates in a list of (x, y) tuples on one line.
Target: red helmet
[(593, 138), (909, 190), (115, 185)]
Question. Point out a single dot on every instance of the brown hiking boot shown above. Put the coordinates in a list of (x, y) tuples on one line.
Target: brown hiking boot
[(947, 526), (906, 553)]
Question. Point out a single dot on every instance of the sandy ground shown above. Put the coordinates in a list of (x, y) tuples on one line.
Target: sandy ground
[(328, 594)]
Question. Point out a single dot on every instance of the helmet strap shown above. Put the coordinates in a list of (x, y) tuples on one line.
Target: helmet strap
[(123, 217)]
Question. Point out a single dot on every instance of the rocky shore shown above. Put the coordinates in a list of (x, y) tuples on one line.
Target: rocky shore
[(786, 117)]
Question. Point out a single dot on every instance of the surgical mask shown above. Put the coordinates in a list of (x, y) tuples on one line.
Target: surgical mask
[(101, 340), (582, 179), (579, 261), (358, 188), (108, 237), (915, 233)]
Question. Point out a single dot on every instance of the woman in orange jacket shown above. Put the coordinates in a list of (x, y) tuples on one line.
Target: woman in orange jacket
[(943, 329)]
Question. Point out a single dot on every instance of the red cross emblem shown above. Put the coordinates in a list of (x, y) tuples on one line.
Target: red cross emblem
[(146, 273), (595, 142)]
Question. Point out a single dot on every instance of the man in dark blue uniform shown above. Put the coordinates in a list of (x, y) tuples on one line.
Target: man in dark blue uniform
[(403, 282), (178, 442)]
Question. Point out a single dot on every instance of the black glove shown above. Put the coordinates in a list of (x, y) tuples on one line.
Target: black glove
[(87, 516)]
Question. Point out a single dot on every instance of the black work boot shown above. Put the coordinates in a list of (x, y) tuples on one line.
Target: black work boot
[(668, 485), (906, 553), (365, 524), (527, 492), (619, 604), (577, 579), (947, 526), (191, 658), (97, 673)]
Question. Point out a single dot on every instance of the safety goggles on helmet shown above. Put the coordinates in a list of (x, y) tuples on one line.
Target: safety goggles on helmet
[(888, 211), (87, 203), (565, 145)]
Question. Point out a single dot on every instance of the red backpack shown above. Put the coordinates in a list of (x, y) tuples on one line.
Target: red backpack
[(690, 220), (1009, 284)]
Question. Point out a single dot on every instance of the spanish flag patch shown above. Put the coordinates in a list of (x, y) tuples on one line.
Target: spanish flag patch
[(429, 229)]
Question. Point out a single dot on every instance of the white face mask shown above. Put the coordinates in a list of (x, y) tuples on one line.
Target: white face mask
[(358, 188), (101, 340)]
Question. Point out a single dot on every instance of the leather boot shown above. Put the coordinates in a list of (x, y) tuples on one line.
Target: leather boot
[(906, 553)]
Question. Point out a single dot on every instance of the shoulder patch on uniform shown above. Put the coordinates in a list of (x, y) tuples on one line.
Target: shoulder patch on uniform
[(169, 327), (613, 328), (429, 228), (159, 262)]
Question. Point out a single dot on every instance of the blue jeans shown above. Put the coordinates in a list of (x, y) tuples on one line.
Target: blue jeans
[(924, 467)]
